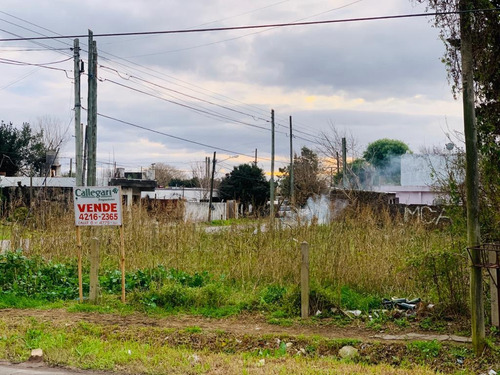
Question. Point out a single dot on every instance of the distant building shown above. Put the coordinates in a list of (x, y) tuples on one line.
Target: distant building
[(419, 178)]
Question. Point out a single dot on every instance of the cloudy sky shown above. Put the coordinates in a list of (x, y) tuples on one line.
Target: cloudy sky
[(215, 90)]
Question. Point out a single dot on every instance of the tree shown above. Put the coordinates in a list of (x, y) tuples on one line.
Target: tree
[(21, 150), (307, 179), (485, 30), (53, 134), (247, 184), (385, 156), (164, 173)]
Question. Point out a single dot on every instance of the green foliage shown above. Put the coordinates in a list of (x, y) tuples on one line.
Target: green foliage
[(355, 300), (307, 181), (443, 272), (148, 278), (20, 149), (247, 184), (190, 183), (384, 154), (425, 349), (35, 278), (380, 152)]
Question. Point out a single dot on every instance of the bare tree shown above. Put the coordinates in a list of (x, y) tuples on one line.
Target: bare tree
[(55, 135), (164, 173), (200, 171)]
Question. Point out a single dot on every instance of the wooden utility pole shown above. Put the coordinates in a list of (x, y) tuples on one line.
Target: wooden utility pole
[(472, 179), (255, 160), (344, 164), (271, 212), (211, 189), (78, 122), (292, 195), (304, 280), (92, 112)]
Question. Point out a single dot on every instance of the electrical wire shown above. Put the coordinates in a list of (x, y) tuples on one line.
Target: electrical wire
[(249, 27), (169, 135)]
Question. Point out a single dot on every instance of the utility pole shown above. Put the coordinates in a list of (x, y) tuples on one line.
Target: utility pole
[(211, 190), (344, 164), (78, 107), (271, 212), (472, 179), (92, 112), (292, 195), (255, 160)]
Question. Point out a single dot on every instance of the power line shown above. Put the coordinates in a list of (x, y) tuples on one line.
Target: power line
[(187, 95), (190, 107), (169, 135), (248, 27)]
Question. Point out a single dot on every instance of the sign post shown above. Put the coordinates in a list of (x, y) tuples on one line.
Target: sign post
[(98, 206)]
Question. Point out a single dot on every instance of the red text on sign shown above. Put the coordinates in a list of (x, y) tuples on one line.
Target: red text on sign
[(98, 207)]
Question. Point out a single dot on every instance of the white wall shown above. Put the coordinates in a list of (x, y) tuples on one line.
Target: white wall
[(198, 211)]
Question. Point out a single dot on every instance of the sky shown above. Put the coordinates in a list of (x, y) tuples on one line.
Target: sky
[(176, 98)]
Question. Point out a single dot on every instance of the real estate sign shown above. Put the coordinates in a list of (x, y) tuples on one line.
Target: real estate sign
[(97, 206)]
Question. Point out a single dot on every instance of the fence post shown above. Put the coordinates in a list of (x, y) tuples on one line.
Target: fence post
[(94, 271), (304, 281), (494, 258)]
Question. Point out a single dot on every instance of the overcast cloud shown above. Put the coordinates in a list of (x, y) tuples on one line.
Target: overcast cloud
[(376, 79)]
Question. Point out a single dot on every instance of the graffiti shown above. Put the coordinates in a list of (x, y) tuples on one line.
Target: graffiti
[(425, 214)]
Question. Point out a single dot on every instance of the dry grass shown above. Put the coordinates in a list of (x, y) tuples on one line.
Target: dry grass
[(366, 251)]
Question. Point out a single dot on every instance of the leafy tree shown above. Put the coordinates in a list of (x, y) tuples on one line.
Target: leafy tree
[(246, 183), (485, 30), (21, 150), (385, 155), (188, 183), (306, 177)]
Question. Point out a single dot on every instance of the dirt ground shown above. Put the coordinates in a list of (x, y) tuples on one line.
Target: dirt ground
[(246, 324)]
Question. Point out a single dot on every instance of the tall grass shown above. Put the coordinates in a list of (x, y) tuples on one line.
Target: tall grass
[(367, 251)]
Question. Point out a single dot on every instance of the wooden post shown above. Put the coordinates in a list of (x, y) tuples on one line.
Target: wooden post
[(79, 247), (122, 261), (472, 178), (94, 271), (304, 281), (494, 258), (271, 182)]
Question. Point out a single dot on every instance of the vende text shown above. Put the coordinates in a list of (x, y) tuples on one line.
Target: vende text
[(98, 207)]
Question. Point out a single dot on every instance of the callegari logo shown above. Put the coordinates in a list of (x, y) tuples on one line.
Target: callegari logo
[(96, 206), (93, 193)]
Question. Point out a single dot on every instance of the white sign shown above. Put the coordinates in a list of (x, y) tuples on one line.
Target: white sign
[(96, 206)]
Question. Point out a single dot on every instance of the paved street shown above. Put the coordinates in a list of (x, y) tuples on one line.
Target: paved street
[(35, 369)]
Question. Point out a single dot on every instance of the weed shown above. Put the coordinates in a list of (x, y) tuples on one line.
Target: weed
[(425, 349), (401, 322), (194, 329)]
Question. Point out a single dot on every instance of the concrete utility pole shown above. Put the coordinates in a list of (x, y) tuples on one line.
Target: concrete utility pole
[(92, 112), (78, 122), (211, 190), (271, 212), (292, 192), (472, 179)]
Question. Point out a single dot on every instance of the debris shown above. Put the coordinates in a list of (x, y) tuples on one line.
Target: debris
[(289, 345), (401, 303), (36, 355), (262, 362), (194, 358), (348, 352), (492, 372), (352, 313), (318, 313)]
